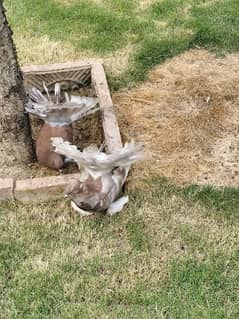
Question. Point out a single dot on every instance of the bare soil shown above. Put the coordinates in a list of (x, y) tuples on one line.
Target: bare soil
[(187, 116)]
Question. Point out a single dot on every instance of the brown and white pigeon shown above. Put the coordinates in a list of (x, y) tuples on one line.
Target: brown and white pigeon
[(102, 176), (58, 113)]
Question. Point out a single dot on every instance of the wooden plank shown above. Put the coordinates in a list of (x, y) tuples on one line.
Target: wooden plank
[(35, 75), (109, 121), (58, 67)]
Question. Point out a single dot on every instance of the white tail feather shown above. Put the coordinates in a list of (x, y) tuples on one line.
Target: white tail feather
[(98, 163), (59, 113)]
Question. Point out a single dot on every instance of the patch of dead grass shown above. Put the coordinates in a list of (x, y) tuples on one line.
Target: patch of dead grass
[(44, 50), (187, 106), (117, 62), (66, 2), (144, 4)]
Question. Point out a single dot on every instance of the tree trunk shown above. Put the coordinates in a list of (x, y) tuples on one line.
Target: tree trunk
[(15, 134)]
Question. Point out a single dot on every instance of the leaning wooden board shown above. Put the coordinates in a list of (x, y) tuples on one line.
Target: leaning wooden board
[(109, 120)]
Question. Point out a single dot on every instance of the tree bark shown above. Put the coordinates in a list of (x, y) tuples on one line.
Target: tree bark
[(15, 134)]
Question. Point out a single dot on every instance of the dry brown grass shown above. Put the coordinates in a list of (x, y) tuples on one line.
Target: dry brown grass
[(182, 113), (44, 50), (186, 114), (66, 2), (117, 62), (145, 3)]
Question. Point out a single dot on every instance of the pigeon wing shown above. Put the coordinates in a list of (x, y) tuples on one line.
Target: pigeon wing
[(98, 163)]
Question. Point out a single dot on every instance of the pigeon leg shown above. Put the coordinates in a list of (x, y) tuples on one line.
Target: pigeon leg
[(80, 211), (117, 206)]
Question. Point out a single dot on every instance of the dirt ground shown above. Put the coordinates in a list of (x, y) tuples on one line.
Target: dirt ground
[(186, 115)]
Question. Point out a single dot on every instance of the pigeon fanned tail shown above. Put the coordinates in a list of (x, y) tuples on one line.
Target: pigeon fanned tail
[(97, 162), (57, 113)]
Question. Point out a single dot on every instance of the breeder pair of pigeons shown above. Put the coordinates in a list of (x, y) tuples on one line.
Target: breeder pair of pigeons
[(102, 176)]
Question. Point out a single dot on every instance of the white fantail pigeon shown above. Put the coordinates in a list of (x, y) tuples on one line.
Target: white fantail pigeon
[(102, 176), (58, 113)]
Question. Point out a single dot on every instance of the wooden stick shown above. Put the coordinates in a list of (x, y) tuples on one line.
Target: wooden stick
[(58, 66), (109, 120)]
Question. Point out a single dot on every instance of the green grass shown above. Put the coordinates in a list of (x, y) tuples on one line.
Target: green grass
[(163, 29), (223, 203), (165, 256), (163, 10), (194, 289), (135, 231), (216, 26)]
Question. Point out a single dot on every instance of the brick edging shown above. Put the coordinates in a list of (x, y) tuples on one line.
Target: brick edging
[(35, 189)]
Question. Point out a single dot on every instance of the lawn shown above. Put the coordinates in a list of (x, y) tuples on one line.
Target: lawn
[(173, 252), (130, 35)]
